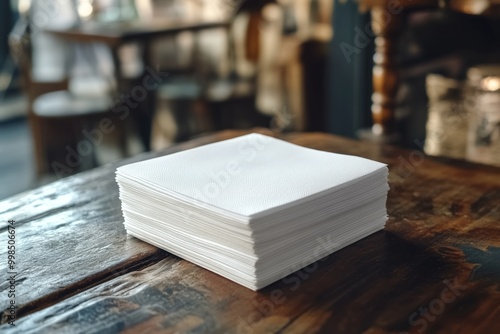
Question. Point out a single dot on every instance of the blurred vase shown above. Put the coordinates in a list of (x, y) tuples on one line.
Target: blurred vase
[(483, 103), (446, 129)]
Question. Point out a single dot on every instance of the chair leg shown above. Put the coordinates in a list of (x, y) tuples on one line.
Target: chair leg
[(88, 125), (121, 127), (143, 122), (203, 116), (39, 148)]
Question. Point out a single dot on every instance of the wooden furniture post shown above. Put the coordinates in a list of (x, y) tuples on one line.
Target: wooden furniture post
[(388, 18), (386, 25)]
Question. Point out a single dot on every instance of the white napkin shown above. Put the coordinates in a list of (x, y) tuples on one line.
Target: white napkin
[(252, 207)]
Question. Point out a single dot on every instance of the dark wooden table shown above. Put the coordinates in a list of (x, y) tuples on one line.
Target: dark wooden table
[(435, 268), (115, 34)]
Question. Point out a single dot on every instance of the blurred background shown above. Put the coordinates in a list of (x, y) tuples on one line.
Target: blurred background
[(88, 82)]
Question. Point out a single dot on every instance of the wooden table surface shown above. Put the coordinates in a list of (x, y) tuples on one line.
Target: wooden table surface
[(117, 33), (435, 268)]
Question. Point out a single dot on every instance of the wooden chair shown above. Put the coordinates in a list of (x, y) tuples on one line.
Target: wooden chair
[(191, 93), (58, 118), (388, 19)]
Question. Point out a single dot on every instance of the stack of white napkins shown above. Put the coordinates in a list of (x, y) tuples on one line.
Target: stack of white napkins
[(254, 208)]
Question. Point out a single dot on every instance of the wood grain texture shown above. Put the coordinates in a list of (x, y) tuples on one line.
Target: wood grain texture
[(435, 268), (62, 223)]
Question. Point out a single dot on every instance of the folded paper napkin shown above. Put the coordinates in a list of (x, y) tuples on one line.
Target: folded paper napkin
[(254, 208)]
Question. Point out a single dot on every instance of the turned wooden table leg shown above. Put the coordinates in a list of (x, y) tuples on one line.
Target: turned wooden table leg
[(386, 26)]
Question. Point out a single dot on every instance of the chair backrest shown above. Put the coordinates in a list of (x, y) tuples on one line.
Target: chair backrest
[(20, 48)]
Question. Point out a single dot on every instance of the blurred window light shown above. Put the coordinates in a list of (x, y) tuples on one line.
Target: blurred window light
[(85, 9), (23, 6), (491, 83)]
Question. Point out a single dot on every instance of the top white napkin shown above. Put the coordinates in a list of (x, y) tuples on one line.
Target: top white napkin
[(250, 175)]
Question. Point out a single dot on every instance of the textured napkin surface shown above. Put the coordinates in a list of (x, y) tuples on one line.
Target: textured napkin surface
[(249, 174)]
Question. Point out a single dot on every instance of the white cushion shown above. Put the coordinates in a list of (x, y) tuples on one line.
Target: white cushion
[(65, 104)]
